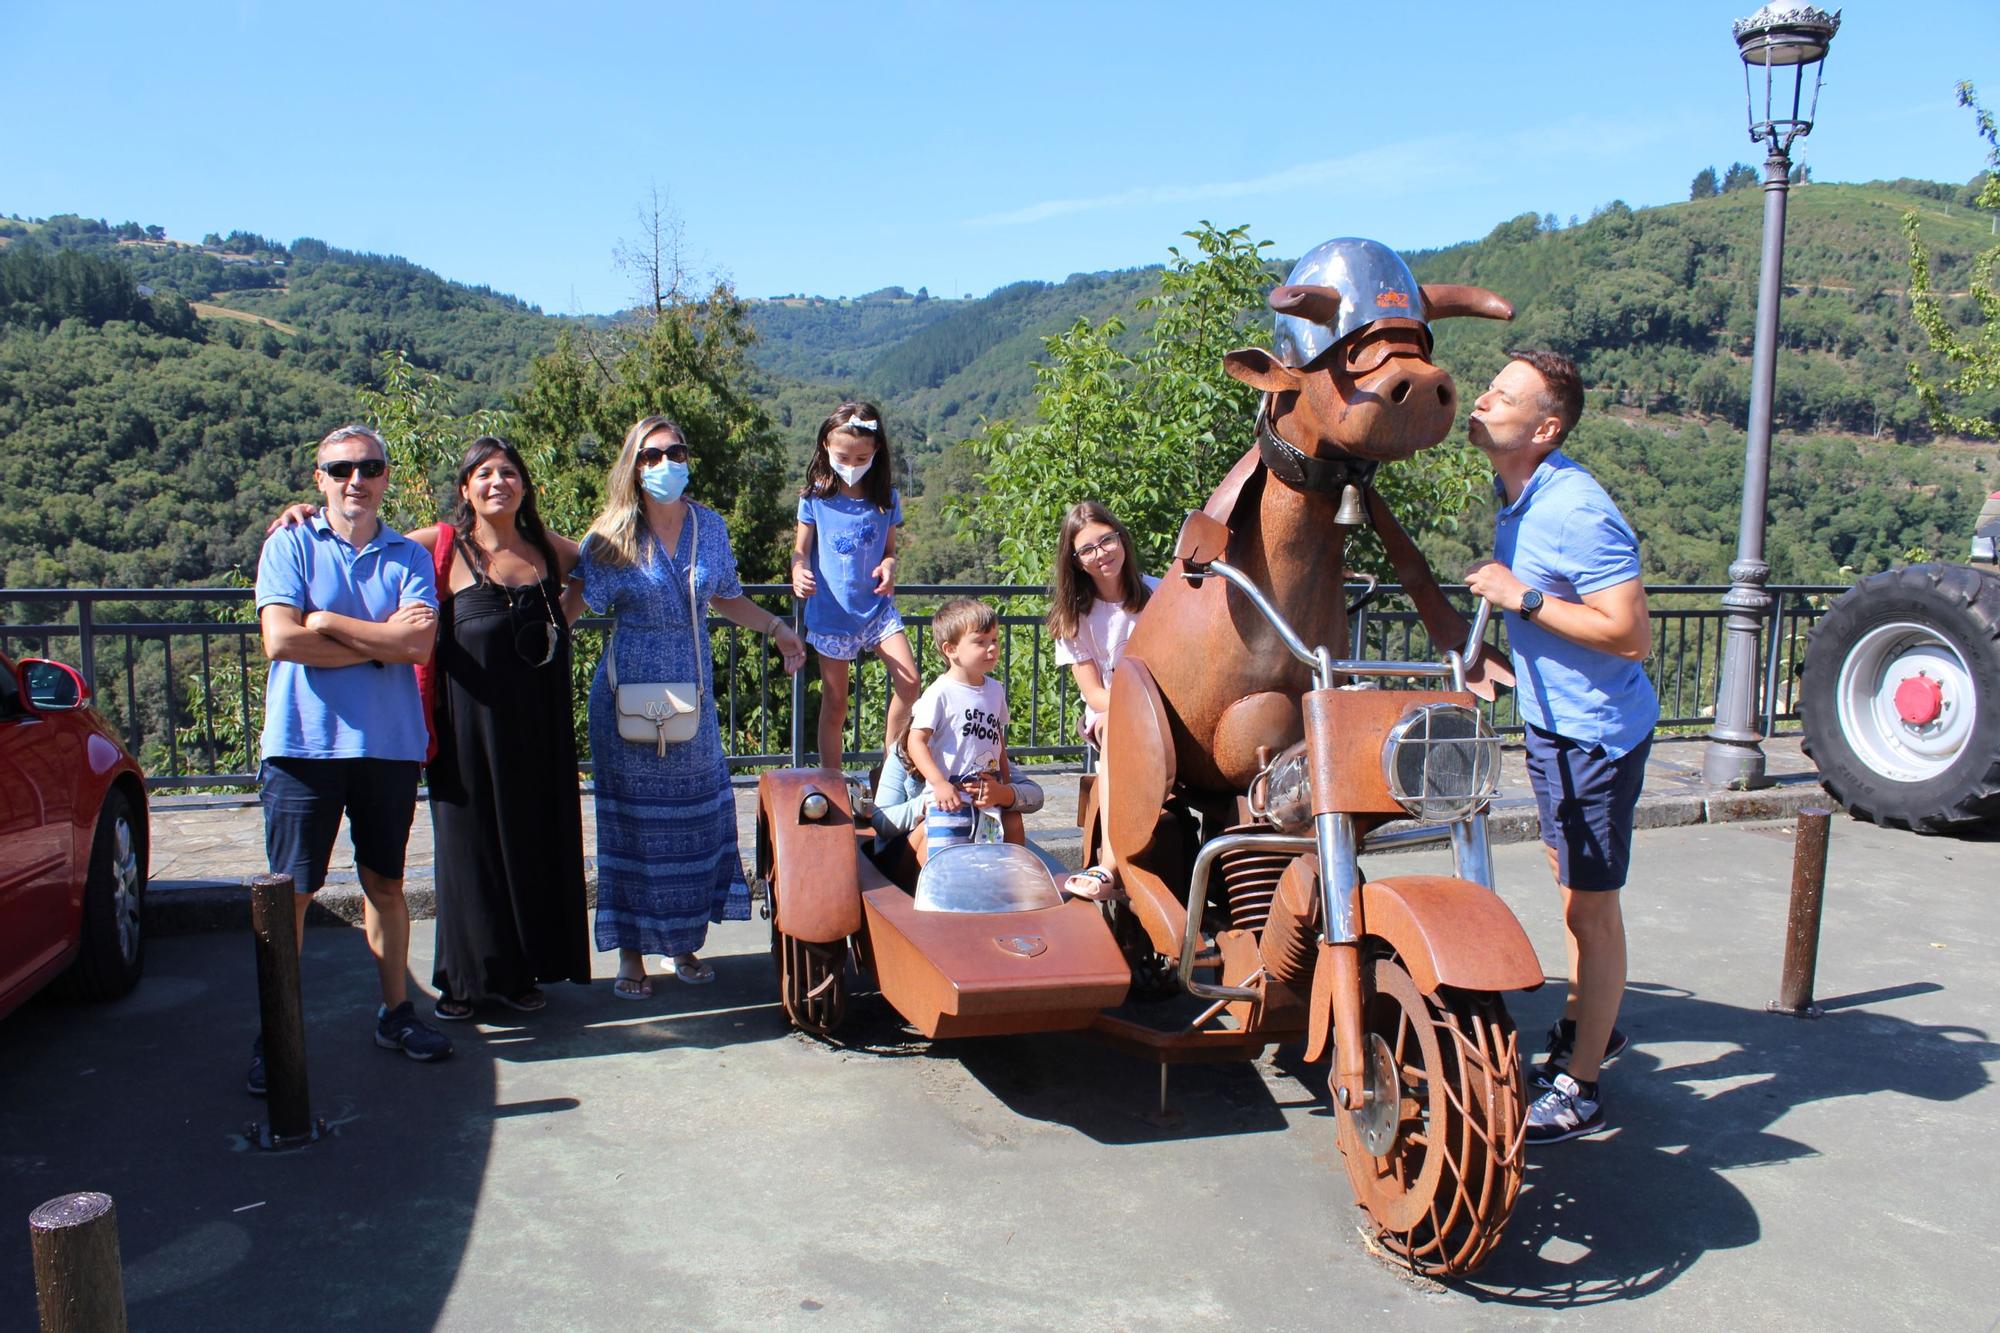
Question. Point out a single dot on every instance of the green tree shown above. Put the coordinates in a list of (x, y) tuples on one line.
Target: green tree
[(687, 358), (1740, 176), (415, 412), (1151, 432), (1976, 355), (1704, 186)]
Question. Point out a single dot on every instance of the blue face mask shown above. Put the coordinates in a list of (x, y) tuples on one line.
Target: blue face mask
[(665, 481)]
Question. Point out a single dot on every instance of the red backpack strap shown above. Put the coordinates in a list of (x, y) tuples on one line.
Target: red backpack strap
[(441, 556), (427, 674)]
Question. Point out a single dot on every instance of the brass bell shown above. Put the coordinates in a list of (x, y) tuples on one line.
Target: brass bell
[(1353, 513)]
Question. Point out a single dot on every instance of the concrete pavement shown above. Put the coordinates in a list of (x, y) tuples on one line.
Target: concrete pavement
[(690, 1163)]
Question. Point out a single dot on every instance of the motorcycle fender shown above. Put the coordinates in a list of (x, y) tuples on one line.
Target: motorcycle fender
[(812, 864), (1320, 1021), (1450, 932)]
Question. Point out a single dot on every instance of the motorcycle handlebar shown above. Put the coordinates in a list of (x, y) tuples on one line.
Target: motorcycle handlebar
[(1325, 666)]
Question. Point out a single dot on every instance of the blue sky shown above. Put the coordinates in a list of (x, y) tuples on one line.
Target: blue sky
[(834, 149)]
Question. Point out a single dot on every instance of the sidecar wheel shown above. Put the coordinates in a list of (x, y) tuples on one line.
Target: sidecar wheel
[(1440, 1194), (812, 982)]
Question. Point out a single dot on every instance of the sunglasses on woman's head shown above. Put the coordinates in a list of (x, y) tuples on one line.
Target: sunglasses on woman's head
[(652, 455), (340, 469)]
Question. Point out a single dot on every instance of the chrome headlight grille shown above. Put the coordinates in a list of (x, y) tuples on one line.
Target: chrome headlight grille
[(1442, 762)]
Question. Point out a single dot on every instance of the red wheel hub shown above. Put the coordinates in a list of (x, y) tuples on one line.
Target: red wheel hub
[(1919, 700)]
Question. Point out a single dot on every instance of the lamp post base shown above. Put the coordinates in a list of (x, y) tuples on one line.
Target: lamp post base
[(1734, 763)]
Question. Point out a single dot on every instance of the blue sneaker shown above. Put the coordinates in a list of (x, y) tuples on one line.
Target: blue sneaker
[(400, 1029), (1565, 1111)]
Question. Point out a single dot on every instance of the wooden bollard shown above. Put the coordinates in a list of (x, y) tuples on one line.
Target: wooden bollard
[(1795, 987), (79, 1284), (291, 1123)]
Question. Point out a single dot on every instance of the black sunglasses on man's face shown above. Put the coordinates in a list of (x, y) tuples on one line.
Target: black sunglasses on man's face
[(340, 469)]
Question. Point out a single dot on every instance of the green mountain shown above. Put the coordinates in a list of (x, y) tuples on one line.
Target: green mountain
[(156, 396)]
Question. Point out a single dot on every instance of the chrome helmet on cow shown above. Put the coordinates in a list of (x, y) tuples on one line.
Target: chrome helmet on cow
[(1373, 282)]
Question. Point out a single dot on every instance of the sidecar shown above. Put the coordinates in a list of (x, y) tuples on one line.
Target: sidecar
[(980, 943)]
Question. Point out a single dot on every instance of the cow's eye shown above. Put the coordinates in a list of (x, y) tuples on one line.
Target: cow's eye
[(1368, 354)]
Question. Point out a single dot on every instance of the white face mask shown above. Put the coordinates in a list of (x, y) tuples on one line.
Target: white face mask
[(851, 475)]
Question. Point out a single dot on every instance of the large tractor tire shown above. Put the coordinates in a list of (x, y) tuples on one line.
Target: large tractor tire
[(1901, 698)]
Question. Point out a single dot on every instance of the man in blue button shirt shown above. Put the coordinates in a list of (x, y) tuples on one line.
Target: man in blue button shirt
[(347, 606), (1566, 574)]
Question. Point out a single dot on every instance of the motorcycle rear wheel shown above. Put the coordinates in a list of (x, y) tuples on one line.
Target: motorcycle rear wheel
[(1439, 1197)]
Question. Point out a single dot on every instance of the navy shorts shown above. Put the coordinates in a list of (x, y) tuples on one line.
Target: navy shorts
[(304, 799), (1586, 799)]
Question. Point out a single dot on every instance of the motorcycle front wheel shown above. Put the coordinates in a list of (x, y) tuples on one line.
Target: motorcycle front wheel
[(1440, 1191)]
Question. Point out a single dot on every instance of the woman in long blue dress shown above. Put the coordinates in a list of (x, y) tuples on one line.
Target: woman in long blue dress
[(667, 860)]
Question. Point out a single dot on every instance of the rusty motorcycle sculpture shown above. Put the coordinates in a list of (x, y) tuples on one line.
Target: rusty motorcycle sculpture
[(1248, 763)]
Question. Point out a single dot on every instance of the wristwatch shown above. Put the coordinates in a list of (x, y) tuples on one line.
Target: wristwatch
[(1531, 602)]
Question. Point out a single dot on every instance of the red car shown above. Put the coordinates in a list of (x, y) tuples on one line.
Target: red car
[(73, 840)]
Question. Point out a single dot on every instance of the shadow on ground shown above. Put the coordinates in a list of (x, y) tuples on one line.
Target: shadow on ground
[(143, 1099), (1678, 1130)]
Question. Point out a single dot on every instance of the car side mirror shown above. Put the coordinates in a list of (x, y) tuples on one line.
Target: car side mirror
[(50, 687)]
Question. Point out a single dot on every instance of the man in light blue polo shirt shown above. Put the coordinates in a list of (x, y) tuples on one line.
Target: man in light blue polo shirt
[(1566, 574), (347, 606)]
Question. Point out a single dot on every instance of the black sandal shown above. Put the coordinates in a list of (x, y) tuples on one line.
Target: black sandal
[(451, 1011), (528, 1001)]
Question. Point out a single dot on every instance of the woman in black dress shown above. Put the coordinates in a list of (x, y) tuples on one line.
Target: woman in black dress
[(503, 785)]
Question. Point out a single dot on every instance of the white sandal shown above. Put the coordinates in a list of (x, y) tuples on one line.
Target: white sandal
[(1093, 884)]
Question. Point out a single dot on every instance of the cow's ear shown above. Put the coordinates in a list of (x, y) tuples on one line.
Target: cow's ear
[(1260, 370), (1449, 300)]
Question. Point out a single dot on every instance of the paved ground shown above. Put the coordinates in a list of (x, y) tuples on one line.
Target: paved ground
[(689, 1163)]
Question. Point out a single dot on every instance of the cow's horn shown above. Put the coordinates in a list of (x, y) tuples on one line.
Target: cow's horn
[(1321, 305), (1448, 300)]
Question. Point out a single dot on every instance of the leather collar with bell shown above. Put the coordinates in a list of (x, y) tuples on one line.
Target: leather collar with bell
[(1303, 472)]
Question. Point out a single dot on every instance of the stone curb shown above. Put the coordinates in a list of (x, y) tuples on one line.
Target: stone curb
[(182, 907)]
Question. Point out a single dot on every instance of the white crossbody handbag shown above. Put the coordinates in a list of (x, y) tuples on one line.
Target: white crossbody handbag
[(662, 713)]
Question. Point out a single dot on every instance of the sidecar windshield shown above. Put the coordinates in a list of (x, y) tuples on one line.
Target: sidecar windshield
[(986, 877)]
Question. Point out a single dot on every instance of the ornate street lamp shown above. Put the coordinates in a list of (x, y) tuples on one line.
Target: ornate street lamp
[(1788, 44)]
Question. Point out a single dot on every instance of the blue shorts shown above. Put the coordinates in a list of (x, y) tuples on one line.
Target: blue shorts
[(1586, 799), (852, 639), (304, 799)]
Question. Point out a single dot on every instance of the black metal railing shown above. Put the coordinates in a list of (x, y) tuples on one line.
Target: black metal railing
[(179, 672)]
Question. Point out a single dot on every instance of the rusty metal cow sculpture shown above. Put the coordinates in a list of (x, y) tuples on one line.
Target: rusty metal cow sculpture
[(1243, 777), (1348, 385), (1235, 721)]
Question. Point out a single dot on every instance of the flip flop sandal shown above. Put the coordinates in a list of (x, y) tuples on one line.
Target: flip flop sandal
[(633, 988), (528, 1001), (450, 1010), (1092, 885), (694, 972)]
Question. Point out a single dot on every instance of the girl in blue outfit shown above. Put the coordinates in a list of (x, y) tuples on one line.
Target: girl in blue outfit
[(844, 568)]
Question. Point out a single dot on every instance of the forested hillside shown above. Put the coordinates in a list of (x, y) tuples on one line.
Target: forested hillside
[(156, 396)]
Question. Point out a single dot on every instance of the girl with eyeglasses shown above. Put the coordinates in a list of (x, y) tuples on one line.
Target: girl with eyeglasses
[(667, 858), (844, 569), (1095, 597)]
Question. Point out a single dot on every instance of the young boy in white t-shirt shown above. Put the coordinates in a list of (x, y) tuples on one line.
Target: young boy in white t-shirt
[(958, 731)]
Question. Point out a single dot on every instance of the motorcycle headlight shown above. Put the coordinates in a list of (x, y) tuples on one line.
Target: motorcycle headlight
[(1442, 762)]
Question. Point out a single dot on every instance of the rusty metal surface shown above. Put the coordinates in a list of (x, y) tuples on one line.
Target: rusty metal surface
[(811, 862), (1795, 986), (965, 974), (1449, 932), (1439, 1198)]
